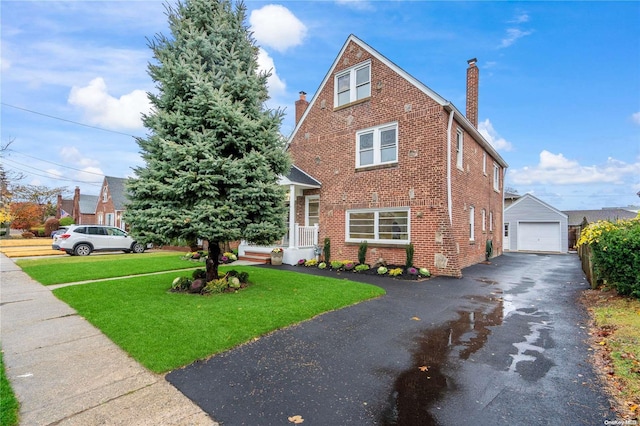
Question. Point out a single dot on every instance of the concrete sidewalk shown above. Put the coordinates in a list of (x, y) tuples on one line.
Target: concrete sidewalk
[(65, 371)]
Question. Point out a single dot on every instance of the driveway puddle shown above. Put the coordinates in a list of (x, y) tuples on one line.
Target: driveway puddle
[(416, 389)]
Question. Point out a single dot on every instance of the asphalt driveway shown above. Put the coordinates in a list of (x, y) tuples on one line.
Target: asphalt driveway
[(503, 345)]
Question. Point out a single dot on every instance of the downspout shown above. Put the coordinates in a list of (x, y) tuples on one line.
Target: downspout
[(449, 202)]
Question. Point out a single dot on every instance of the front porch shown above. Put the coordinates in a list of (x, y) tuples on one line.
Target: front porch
[(301, 246), (301, 241)]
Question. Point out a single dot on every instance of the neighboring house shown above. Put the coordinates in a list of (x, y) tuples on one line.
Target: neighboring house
[(533, 225), (580, 218), (382, 158), (82, 208), (111, 202), (510, 198), (103, 209)]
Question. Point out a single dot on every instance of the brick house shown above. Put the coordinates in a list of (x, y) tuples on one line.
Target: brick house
[(389, 161), (111, 202), (103, 209)]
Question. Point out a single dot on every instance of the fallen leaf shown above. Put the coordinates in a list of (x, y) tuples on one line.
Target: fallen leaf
[(634, 407), (415, 318), (602, 343), (424, 368), (296, 419)]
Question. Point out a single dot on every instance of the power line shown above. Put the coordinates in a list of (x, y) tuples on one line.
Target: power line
[(51, 162), (49, 176), (68, 121)]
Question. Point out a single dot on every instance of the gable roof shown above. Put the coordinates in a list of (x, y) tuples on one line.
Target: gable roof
[(576, 216), (87, 204), (525, 197), (299, 177), (464, 121), (117, 190)]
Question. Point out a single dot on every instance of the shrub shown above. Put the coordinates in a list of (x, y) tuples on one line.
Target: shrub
[(615, 248), (412, 271), (348, 265), (424, 272), (27, 235), (231, 257), (409, 251), (39, 231), (382, 270), (336, 264), (181, 284), (327, 250), (395, 272), (361, 267), (362, 252), (199, 273), (302, 262), (52, 224), (216, 286), (322, 265), (311, 262), (66, 221)]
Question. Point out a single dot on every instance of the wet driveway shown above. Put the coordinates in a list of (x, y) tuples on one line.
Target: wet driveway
[(503, 345)]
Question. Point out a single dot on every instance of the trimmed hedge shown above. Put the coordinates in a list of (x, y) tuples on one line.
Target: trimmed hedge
[(615, 248)]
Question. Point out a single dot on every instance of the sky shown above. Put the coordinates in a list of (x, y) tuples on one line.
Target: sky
[(559, 93)]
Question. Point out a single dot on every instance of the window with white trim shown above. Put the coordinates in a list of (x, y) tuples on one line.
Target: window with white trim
[(496, 177), (472, 223), (378, 226), (484, 220), (312, 210), (105, 194), (353, 84), (459, 147), (378, 145), (490, 221)]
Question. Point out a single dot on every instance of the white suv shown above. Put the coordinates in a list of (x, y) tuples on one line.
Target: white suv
[(81, 240)]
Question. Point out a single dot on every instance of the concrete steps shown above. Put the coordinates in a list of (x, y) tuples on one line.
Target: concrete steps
[(255, 256)]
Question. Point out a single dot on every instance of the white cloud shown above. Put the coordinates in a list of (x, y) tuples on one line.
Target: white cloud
[(488, 132), (559, 170), (513, 34), (635, 117), (520, 18), (276, 27), (276, 86), (84, 169), (103, 109)]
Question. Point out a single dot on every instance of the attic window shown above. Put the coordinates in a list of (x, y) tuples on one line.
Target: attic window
[(105, 194), (353, 84)]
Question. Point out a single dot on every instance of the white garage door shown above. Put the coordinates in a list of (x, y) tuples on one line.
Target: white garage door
[(539, 236)]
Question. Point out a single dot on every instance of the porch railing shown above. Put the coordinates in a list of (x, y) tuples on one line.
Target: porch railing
[(306, 236)]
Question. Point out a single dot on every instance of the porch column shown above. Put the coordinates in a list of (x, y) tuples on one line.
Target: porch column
[(292, 216)]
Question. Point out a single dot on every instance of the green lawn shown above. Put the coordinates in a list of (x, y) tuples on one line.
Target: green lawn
[(164, 330), (74, 268), (9, 405)]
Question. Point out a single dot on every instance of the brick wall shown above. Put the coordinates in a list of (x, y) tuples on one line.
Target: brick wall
[(325, 147)]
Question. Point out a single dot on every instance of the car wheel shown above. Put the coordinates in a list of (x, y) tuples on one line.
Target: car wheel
[(137, 248), (82, 250)]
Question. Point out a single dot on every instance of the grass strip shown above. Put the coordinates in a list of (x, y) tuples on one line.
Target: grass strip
[(70, 269), (618, 320), (9, 406), (164, 330)]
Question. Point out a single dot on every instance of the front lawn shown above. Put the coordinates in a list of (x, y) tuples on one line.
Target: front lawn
[(80, 268), (164, 330)]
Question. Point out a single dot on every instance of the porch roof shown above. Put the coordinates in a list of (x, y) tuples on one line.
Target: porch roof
[(298, 177)]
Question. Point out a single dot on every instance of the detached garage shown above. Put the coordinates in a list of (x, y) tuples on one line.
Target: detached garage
[(533, 225)]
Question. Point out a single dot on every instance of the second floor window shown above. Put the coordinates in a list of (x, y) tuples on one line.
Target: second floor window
[(459, 148), (353, 84), (377, 146)]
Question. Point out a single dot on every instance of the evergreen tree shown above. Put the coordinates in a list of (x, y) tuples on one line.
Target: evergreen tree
[(213, 153)]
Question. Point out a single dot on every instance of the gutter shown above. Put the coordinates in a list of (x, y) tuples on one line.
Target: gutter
[(449, 200)]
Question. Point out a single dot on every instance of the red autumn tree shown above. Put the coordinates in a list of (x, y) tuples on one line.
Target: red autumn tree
[(25, 215)]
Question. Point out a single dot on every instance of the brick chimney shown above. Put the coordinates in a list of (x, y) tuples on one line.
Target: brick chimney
[(301, 106), (472, 92)]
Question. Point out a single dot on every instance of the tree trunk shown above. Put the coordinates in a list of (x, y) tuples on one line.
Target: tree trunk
[(213, 260)]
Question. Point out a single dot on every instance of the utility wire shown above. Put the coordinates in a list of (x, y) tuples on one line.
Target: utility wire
[(49, 176), (51, 162), (68, 121)]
